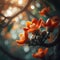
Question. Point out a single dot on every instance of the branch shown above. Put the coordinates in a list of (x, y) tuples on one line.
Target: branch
[(10, 18), (29, 2)]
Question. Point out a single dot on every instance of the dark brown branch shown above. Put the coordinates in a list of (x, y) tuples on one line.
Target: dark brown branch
[(29, 2), (10, 18)]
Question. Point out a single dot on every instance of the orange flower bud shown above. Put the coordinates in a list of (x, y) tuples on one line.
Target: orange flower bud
[(44, 11), (40, 53)]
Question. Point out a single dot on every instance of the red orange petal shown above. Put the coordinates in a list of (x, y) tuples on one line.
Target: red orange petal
[(26, 35), (40, 49), (32, 30), (34, 20), (25, 29), (28, 23), (39, 23), (20, 35), (35, 55), (45, 51), (48, 22), (40, 53), (20, 41), (44, 10), (41, 13)]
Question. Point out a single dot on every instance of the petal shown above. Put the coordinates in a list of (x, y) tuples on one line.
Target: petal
[(39, 23), (41, 13), (20, 41), (34, 20), (28, 23), (44, 10), (54, 24), (35, 55), (23, 38), (20, 35), (38, 55), (40, 49), (26, 35), (51, 23), (45, 51), (33, 26), (48, 22), (32, 29), (19, 44), (25, 29), (43, 24)]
